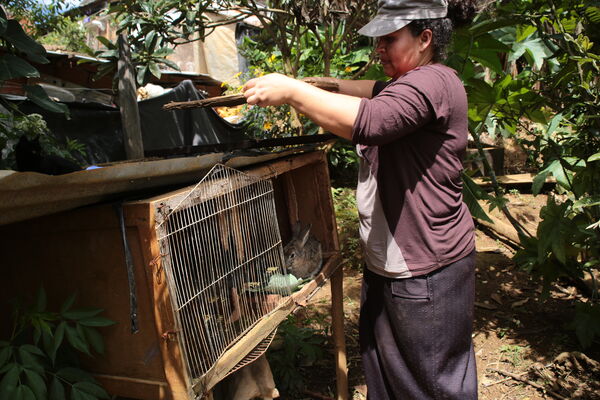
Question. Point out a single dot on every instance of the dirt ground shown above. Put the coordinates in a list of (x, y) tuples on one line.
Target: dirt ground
[(517, 334)]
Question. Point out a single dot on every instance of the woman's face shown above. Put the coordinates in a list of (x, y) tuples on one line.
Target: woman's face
[(400, 52)]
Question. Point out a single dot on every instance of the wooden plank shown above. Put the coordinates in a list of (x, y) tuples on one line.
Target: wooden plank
[(339, 343), (291, 199), (130, 115), (69, 255), (326, 201), (134, 388), (165, 326), (511, 179)]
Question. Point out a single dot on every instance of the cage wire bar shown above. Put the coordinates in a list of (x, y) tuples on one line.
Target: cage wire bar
[(221, 249)]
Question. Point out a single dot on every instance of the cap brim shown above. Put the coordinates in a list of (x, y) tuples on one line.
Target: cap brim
[(381, 26)]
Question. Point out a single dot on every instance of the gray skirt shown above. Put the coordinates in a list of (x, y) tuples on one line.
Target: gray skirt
[(415, 334)]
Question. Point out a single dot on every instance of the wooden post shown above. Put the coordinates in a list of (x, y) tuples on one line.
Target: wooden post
[(337, 316), (130, 115)]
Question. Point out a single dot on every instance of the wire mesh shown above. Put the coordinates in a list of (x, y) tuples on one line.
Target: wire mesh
[(221, 249)]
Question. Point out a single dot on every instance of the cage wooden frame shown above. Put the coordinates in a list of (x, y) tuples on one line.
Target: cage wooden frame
[(81, 251)]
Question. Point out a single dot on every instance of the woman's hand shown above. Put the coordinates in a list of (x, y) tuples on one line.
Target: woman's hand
[(269, 90)]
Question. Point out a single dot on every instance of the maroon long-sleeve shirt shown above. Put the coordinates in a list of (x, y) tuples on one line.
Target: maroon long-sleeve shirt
[(411, 138)]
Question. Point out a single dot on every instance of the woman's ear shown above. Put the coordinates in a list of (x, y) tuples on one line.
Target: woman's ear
[(425, 39)]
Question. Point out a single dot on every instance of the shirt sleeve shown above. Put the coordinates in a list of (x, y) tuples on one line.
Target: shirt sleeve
[(379, 86), (396, 111)]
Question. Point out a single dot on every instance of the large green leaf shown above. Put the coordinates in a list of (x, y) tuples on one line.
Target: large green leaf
[(562, 176), (40, 97), (534, 48), (471, 194), (12, 67), (538, 181), (59, 334), (9, 381), (5, 353), (76, 340), (91, 388), (37, 384), (16, 36), (25, 393), (490, 25), (95, 339), (594, 157), (57, 391)]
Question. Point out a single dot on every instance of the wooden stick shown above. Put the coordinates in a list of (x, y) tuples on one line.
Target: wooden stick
[(527, 381), (337, 317), (239, 99)]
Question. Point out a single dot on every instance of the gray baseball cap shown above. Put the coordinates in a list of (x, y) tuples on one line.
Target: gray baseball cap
[(396, 14)]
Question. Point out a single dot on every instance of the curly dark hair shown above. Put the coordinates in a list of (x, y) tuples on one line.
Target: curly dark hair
[(460, 12)]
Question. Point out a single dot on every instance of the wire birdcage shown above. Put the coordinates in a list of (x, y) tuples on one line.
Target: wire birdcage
[(221, 249)]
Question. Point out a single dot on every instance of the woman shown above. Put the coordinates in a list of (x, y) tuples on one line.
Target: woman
[(417, 234)]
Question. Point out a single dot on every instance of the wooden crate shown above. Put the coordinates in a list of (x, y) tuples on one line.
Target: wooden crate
[(82, 251)]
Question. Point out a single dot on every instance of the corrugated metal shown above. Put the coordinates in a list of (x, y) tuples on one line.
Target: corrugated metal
[(25, 195)]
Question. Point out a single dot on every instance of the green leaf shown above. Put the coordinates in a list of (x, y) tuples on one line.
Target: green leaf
[(96, 321), (170, 64), (3, 22), (594, 157), (32, 349), (91, 388), (523, 32), (107, 43), (12, 67), (77, 395), (141, 74), (58, 338), (559, 173), (68, 303), (81, 314), (37, 384), (5, 355), (585, 202), (162, 52), (57, 391), (40, 97), (154, 69), (95, 339), (489, 25), (538, 181), (71, 374), (30, 361), (16, 36), (9, 381), (471, 193), (27, 393), (148, 42), (556, 120), (76, 340)]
